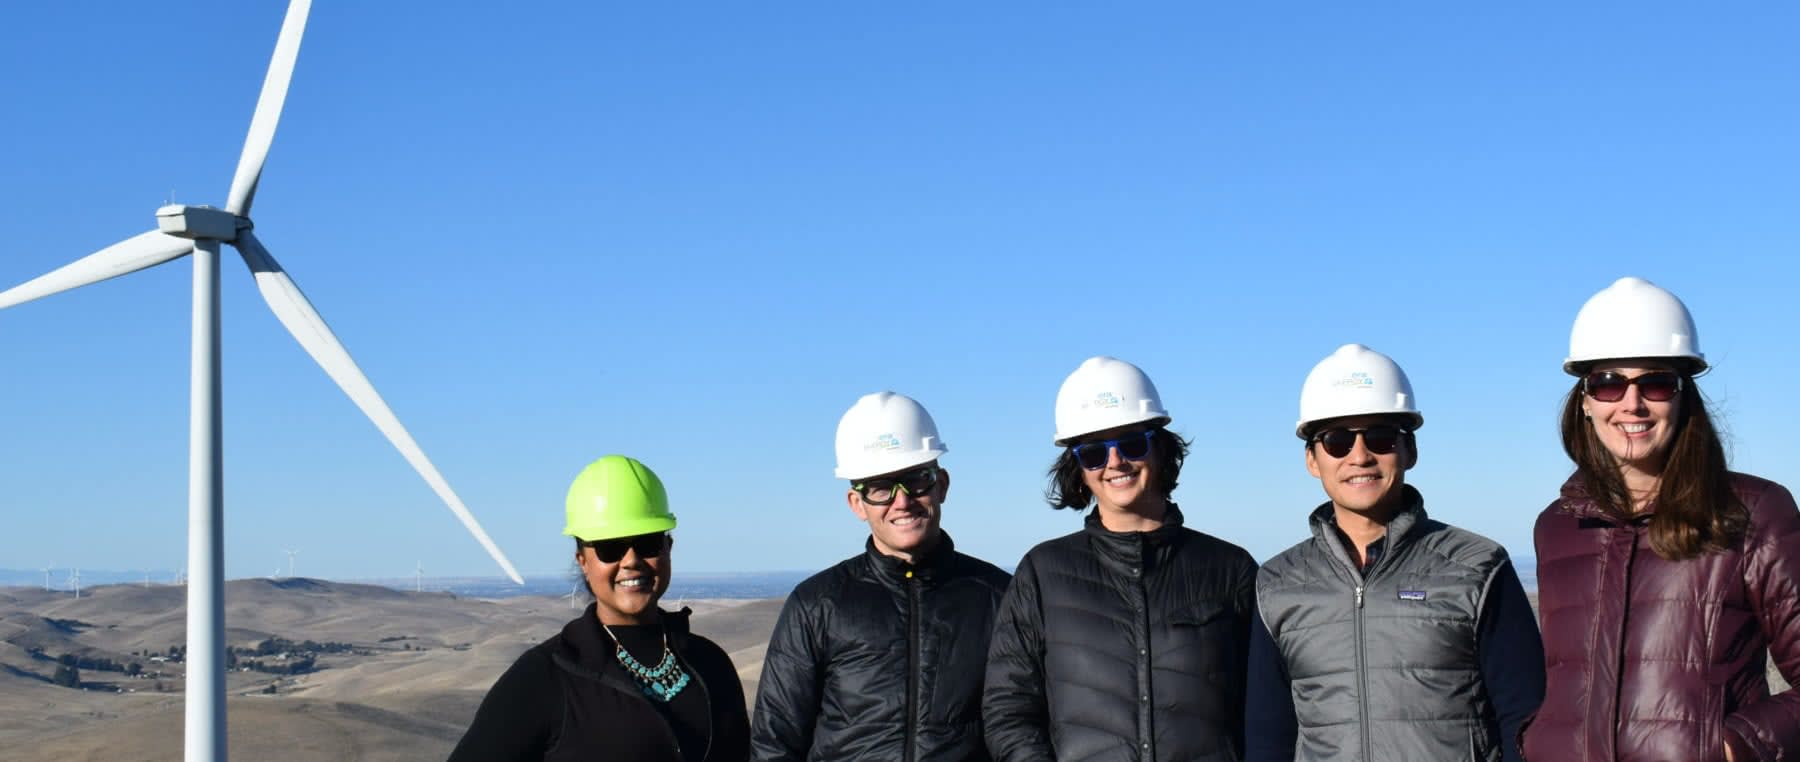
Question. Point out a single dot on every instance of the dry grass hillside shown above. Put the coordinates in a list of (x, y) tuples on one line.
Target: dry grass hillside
[(417, 668)]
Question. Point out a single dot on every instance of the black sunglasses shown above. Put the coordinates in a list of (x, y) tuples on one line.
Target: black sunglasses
[(647, 546), (1093, 455), (1609, 386), (1381, 439), (885, 490)]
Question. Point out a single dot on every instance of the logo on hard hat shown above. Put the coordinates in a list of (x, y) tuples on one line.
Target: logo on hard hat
[(1104, 401), (1356, 379), (884, 442)]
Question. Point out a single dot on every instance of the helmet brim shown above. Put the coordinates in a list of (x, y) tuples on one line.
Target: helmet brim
[(625, 528)]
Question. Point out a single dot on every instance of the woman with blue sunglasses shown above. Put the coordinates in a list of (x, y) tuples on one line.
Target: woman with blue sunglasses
[(1127, 639)]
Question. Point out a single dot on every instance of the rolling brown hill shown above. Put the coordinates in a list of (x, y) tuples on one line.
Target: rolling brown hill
[(420, 666)]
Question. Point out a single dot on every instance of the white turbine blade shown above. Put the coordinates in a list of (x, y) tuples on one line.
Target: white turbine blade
[(295, 312), (268, 109), (122, 258)]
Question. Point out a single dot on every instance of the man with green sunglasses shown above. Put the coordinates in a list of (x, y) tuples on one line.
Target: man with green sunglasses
[(881, 656)]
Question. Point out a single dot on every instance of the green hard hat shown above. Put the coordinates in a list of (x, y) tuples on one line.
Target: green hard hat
[(617, 496)]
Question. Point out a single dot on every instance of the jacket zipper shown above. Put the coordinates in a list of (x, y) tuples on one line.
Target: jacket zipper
[(1618, 687), (1146, 710), (1360, 578), (712, 730), (1362, 677), (912, 666)]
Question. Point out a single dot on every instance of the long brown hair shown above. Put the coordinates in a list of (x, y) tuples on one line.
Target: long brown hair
[(1696, 510)]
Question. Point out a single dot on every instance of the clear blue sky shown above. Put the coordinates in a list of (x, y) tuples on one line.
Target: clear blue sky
[(695, 233)]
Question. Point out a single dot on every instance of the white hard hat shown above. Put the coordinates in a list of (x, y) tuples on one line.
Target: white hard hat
[(1355, 380), (885, 432), (1633, 318), (1105, 393)]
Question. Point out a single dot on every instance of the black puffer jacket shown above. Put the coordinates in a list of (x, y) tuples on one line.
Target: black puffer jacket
[(876, 659), (1122, 646)]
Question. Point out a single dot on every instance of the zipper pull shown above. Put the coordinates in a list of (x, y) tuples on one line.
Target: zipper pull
[(1359, 592)]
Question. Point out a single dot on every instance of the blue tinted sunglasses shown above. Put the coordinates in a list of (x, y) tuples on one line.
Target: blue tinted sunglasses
[(1093, 455)]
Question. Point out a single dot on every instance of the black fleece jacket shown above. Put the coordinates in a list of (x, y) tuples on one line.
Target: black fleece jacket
[(568, 699)]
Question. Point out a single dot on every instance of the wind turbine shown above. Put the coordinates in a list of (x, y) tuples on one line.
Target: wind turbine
[(290, 555), (571, 595), (46, 579), (418, 576), (200, 231), (75, 581)]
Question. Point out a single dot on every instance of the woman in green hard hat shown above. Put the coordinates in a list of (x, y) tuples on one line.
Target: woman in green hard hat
[(625, 680)]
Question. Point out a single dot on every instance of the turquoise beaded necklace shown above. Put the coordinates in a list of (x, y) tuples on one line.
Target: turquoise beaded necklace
[(661, 682)]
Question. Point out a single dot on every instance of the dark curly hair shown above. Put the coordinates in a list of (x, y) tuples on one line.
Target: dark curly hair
[(1067, 489)]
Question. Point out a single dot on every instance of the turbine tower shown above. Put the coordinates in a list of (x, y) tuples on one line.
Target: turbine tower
[(46, 579), (290, 555), (75, 581), (201, 231), (418, 576)]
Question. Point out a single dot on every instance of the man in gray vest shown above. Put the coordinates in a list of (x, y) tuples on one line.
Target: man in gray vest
[(1387, 635)]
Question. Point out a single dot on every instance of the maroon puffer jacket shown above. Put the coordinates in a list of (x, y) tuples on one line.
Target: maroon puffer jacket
[(1648, 659)]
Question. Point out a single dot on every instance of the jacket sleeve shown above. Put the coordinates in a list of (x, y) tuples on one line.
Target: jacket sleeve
[(516, 717), (1271, 728), (1512, 657), (793, 675), (1771, 728), (1244, 604), (1015, 714)]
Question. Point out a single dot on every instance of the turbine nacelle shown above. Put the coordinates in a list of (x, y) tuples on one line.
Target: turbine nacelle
[(200, 223)]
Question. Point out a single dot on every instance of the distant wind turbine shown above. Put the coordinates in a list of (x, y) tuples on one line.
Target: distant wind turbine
[(200, 231), (572, 595), (418, 576), (46, 579), (290, 555), (75, 581)]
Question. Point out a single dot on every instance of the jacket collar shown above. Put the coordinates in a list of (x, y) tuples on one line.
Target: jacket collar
[(927, 568), (1412, 513), (1135, 549), (1578, 501), (592, 648)]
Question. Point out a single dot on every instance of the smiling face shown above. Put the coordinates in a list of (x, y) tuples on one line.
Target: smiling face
[(1362, 481), (1636, 431), (910, 525), (626, 590), (1124, 486)]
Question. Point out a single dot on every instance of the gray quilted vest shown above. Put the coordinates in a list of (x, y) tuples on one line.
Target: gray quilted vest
[(1384, 666)]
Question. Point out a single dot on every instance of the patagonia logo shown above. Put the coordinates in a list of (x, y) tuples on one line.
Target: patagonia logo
[(1412, 595)]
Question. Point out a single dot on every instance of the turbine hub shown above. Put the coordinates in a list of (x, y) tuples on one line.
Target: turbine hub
[(199, 222)]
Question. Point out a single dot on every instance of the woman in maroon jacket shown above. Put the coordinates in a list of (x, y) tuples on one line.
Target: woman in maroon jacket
[(1664, 577)]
